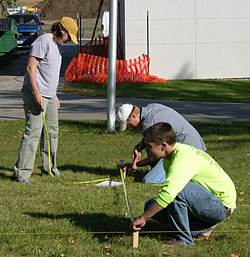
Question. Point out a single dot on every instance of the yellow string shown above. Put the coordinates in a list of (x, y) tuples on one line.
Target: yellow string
[(116, 232), (48, 143), (87, 182), (126, 196)]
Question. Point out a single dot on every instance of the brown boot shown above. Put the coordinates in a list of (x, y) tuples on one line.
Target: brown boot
[(204, 236), (170, 243)]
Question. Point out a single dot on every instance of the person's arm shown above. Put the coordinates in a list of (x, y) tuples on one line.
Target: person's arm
[(129, 165), (144, 162), (31, 72), (140, 146), (140, 222), (137, 149)]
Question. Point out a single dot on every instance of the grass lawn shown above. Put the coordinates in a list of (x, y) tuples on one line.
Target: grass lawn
[(52, 217), (191, 90)]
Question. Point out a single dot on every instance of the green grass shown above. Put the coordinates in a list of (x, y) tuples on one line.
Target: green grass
[(191, 90), (52, 218)]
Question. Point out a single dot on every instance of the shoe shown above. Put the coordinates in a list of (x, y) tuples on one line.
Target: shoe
[(58, 174), (170, 243), (23, 180), (204, 236), (55, 174)]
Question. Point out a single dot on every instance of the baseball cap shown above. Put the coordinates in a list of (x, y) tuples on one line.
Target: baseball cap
[(122, 115), (70, 25)]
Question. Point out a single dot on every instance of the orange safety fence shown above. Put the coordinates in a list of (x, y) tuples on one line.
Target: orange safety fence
[(91, 65), (92, 68)]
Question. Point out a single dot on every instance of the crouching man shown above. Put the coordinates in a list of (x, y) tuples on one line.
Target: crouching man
[(197, 193)]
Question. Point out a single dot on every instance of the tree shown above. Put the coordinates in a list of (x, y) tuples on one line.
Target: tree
[(11, 2)]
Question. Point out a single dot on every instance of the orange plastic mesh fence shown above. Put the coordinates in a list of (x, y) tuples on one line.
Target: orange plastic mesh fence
[(92, 68), (91, 65)]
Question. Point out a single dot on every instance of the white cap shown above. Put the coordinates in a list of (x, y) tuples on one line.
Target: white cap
[(123, 113)]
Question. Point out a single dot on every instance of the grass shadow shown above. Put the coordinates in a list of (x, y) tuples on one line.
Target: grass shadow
[(101, 225), (3, 176), (91, 170)]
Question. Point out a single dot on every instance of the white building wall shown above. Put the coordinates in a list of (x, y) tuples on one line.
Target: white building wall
[(190, 39)]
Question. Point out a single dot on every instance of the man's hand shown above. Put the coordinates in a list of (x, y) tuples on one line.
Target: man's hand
[(141, 221), (137, 224), (136, 155), (39, 101)]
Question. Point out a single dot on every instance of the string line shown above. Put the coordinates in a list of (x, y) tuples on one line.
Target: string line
[(116, 232), (47, 134)]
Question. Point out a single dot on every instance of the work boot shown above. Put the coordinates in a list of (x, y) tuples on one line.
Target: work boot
[(204, 236)]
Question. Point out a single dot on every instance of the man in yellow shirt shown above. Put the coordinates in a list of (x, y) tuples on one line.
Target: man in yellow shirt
[(197, 193)]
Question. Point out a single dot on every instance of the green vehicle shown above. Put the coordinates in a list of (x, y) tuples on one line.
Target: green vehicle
[(8, 35)]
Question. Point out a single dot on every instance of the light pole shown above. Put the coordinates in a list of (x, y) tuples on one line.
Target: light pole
[(112, 50)]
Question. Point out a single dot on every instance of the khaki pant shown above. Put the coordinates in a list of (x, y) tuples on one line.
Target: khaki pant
[(34, 128)]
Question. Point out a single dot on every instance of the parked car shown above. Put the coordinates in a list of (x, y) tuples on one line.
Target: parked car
[(28, 27)]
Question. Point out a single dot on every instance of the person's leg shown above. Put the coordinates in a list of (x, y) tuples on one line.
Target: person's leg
[(157, 175), (30, 138), (51, 118), (194, 203)]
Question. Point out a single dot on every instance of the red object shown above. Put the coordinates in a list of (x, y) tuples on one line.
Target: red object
[(91, 65)]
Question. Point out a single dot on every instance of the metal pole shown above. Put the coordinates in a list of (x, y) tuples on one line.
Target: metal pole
[(97, 19), (80, 30), (77, 19), (113, 5)]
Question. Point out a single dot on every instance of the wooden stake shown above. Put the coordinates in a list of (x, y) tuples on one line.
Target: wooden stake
[(124, 174), (135, 239)]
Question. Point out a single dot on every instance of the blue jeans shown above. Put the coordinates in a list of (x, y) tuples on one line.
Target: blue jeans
[(194, 211), (157, 175)]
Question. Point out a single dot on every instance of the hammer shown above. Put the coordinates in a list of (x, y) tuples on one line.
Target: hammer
[(124, 170)]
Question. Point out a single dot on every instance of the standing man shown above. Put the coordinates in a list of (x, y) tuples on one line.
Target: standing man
[(197, 193), (132, 116), (39, 95)]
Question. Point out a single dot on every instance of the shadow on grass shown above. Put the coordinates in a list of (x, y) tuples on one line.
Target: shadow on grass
[(91, 170), (100, 224), (3, 176), (136, 176)]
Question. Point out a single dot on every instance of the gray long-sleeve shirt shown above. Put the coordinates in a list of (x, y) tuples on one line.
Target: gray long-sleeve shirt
[(185, 133)]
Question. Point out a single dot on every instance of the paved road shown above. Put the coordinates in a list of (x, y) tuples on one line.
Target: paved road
[(81, 108)]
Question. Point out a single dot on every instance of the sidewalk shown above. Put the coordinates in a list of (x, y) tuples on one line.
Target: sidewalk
[(95, 108)]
